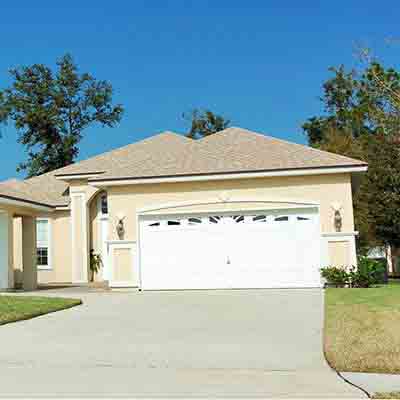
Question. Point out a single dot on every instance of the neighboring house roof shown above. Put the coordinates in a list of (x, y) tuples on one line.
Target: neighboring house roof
[(233, 150)]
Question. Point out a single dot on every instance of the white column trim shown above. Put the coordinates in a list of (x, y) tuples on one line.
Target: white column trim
[(121, 242), (4, 251), (84, 212), (340, 235)]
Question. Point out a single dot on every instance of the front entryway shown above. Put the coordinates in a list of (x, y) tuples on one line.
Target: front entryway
[(274, 249), (106, 273)]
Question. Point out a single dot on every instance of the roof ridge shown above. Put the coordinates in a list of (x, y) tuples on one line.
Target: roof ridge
[(283, 141), (56, 172)]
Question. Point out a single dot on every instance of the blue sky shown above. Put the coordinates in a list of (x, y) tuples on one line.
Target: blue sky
[(259, 63)]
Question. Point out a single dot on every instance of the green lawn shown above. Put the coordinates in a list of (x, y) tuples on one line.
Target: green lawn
[(16, 308), (388, 395), (362, 329)]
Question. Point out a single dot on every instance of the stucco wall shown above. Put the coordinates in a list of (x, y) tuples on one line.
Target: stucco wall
[(249, 194), (322, 189), (60, 248), (122, 262), (62, 251), (13, 250), (339, 252)]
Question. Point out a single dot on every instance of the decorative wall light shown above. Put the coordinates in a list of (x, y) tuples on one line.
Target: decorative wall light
[(120, 228), (337, 216)]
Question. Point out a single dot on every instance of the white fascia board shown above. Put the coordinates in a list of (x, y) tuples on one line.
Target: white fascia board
[(76, 177), (63, 208), (218, 177), (120, 242), (22, 203), (340, 234)]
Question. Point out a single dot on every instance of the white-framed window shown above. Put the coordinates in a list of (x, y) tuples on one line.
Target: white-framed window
[(43, 238), (103, 204)]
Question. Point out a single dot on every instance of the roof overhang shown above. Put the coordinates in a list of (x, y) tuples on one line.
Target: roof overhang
[(228, 176), (63, 208), (11, 201), (80, 176)]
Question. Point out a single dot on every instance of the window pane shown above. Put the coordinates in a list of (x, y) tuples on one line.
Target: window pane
[(42, 242), (42, 256), (173, 223), (42, 231), (104, 204)]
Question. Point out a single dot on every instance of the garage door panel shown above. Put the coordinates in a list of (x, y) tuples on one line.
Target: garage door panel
[(180, 259), (251, 251)]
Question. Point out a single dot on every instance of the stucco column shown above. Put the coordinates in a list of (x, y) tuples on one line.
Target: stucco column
[(6, 250), (29, 253), (79, 230)]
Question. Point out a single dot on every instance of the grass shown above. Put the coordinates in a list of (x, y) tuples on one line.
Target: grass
[(386, 395), (17, 308), (362, 329)]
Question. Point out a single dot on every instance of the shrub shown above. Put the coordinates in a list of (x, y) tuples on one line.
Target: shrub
[(336, 276), (368, 272), (95, 264)]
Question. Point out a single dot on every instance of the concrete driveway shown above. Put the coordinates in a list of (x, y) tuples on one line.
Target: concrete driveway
[(256, 343)]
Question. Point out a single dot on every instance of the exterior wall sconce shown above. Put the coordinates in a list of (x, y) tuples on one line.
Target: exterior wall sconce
[(338, 221), (120, 228), (337, 217)]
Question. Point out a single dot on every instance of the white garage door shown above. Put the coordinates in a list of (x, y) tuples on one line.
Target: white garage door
[(261, 250)]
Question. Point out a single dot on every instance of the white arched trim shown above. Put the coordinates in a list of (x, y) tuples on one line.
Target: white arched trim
[(93, 195), (227, 200)]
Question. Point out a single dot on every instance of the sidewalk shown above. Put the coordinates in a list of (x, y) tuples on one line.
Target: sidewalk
[(373, 383)]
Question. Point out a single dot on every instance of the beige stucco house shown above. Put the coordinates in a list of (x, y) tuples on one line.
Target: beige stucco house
[(237, 209)]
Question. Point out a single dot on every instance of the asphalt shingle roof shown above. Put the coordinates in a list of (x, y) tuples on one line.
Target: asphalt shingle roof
[(233, 150)]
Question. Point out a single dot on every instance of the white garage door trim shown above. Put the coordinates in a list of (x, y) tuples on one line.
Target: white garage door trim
[(224, 198), (292, 212)]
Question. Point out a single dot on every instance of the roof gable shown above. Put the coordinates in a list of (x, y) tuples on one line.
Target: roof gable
[(233, 150), (115, 158), (168, 154)]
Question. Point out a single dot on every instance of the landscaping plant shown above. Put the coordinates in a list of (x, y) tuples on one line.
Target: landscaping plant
[(335, 276), (368, 272), (95, 264)]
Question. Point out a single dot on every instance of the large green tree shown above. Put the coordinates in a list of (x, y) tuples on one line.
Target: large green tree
[(380, 190), (51, 109), (204, 123), (361, 119), (358, 103)]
